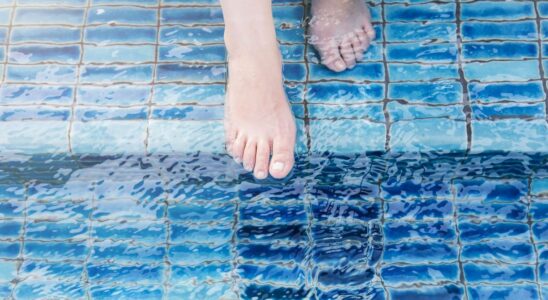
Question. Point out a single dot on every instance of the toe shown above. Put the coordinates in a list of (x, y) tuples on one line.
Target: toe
[(249, 155), (364, 39), (347, 53), (331, 57), (369, 30), (261, 160), (237, 149), (282, 158), (358, 49)]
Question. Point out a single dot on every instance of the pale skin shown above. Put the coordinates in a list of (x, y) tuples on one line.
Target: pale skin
[(259, 125)]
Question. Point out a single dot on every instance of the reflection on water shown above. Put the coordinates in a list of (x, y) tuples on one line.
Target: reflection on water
[(198, 227)]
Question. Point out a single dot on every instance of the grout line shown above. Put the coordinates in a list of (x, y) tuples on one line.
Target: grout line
[(90, 242), (455, 219), (4, 75), (385, 101), (77, 83), (307, 45), (540, 56), (532, 238), (21, 255), (467, 109)]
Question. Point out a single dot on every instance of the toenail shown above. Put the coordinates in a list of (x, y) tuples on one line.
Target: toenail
[(261, 174), (278, 166), (248, 168), (237, 159)]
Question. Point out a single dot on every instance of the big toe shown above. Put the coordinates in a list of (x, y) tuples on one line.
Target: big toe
[(283, 157)]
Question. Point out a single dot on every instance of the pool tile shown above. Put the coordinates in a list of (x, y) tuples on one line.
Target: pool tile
[(492, 10), (428, 134), (498, 135), (499, 92), (420, 12), (367, 136), (519, 30), (502, 70), (399, 275), (114, 136), (500, 292)]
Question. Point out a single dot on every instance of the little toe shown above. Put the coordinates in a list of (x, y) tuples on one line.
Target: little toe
[(249, 155), (369, 30), (282, 158), (363, 38), (347, 53), (331, 57), (261, 160), (237, 149)]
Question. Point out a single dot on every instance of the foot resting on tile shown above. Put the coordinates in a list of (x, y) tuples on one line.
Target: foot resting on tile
[(259, 125), (341, 31)]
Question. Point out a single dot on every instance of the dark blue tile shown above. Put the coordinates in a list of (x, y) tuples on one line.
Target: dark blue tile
[(503, 292), (478, 272), (420, 12), (523, 30), (420, 252), (505, 251), (431, 274)]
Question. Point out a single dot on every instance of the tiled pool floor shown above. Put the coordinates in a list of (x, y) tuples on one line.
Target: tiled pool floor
[(421, 173)]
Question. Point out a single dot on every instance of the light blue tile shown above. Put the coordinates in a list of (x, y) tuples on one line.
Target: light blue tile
[(109, 137), (428, 135), (113, 95), (372, 111), (503, 292), (502, 70), (94, 113), (119, 54), (209, 53), (422, 53), (524, 111), (366, 136), (414, 72), (45, 73), (34, 137), (188, 112), (49, 34), (186, 136), (190, 73), (509, 135), (404, 112), (8, 271), (539, 186), (112, 74), (192, 35), (122, 15), (361, 72), (188, 94), (104, 35), (39, 16), (36, 54)]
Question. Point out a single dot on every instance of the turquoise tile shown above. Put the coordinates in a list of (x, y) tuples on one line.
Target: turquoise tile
[(188, 94), (361, 72), (45, 73), (122, 15), (50, 34), (112, 74), (527, 111), (122, 95), (373, 111), (502, 70), (190, 73), (37, 54), (428, 135), (40, 16), (421, 53), (365, 136), (509, 135), (539, 186), (420, 12), (206, 54), (105, 35), (509, 50)]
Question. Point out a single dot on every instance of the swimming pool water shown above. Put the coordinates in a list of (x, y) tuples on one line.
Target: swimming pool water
[(421, 173)]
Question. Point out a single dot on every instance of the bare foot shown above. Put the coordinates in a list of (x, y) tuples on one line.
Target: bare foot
[(258, 118), (341, 31)]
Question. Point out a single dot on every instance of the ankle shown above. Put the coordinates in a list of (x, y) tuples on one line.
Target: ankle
[(249, 44)]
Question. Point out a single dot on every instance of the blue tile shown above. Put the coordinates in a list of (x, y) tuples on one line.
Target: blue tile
[(201, 273), (402, 112), (415, 72), (418, 209), (475, 232), (502, 70), (494, 10), (39, 16), (408, 252), (422, 53), (38, 290), (512, 50), (190, 73), (539, 186), (448, 92), (396, 231), (198, 254), (491, 111), (113, 95), (126, 252), (339, 93), (372, 112), (110, 74), (189, 94), (189, 113), (503, 292), (210, 53), (435, 292), (509, 135), (41, 34), (215, 291), (56, 231), (405, 32), (498, 92), (105, 35), (511, 190), (504, 211), (432, 274), (420, 12), (121, 54), (124, 274), (367, 136), (361, 72), (522, 30), (207, 136), (136, 292), (503, 251)]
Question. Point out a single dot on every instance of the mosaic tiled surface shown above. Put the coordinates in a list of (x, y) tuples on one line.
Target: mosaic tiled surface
[(148, 76), (341, 227), (85, 83)]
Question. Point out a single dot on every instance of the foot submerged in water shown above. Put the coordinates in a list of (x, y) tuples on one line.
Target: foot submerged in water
[(341, 31)]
